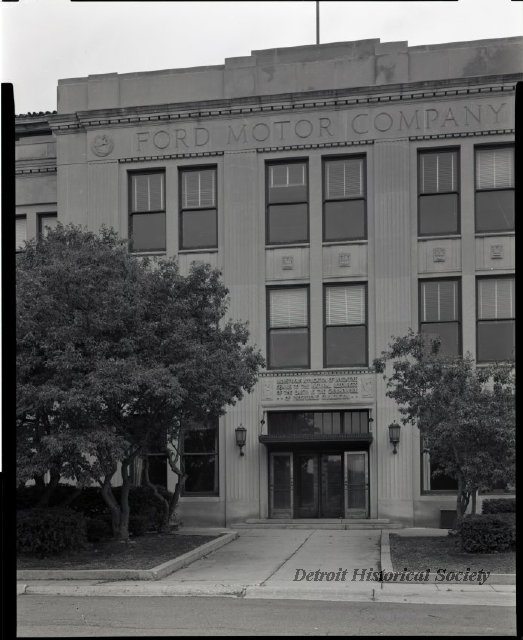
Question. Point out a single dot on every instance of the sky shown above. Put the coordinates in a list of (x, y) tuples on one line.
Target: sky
[(44, 40)]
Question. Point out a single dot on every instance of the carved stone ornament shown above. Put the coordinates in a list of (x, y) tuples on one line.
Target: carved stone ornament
[(102, 145), (344, 260), (496, 251), (439, 254), (287, 262)]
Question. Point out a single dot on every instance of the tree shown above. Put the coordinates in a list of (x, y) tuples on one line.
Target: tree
[(465, 413), (112, 353)]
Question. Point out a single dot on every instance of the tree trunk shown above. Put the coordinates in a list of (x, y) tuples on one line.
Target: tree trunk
[(474, 498), (462, 500), (124, 502), (108, 496), (49, 488), (166, 511), (180, 473)]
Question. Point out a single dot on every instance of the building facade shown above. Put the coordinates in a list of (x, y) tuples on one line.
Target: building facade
[(347, 192)]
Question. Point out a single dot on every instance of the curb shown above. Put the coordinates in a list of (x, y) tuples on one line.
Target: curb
[(156, 573), (386, 565)]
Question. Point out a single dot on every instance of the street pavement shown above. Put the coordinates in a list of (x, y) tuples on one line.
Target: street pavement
[(264, 564), (49, 616)]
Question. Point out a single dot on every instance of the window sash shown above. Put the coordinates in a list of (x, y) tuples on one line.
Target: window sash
[(199, 189), (496, 298), (495, 168), (287, 175), (148, 192), (439, 301), (345, 305), (344, 179), (20, 232), (47, 222), (438, 172), (288, 308)]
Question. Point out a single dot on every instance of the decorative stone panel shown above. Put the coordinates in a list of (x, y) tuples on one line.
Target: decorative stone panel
[(287, 263), (345, 260), (439, 255), (495, 252)]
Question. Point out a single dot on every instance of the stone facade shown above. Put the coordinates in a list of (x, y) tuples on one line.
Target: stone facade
[(385, 102)]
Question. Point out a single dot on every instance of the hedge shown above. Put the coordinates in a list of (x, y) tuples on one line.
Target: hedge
[(49, 531), (146, 510), (499, 505), (486, 533)]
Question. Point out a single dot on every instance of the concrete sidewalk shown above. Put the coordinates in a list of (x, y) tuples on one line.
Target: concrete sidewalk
[(266, 563)]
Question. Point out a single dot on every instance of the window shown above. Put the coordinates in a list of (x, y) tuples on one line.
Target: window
[(287, 203), (147, 214), (46, 221), (200, 458), (308, 423), (495, 189), (496, 302), (20, 232), (288, 337), (433, 479), (198, 210), (439, 312), (344, 199), (438, 188), (345, 325)]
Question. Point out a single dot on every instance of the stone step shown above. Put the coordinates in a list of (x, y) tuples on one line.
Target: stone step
[(334, 524)]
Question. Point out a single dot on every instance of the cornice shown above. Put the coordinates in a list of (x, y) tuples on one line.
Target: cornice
[(23, 171), (319, 372), (171, 156), (305, 101)]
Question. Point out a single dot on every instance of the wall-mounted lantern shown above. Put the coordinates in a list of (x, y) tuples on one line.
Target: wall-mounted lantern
[(241, 436), (394, 435)]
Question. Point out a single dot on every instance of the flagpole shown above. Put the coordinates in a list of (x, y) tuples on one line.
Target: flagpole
[(317, 22)]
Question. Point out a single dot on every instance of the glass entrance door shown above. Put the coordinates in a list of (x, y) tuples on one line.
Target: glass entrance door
[(331, 505), (281, 485), (356, 483), (306, 485)]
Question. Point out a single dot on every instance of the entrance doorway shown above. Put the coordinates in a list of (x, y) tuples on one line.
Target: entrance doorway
[(318, 484)]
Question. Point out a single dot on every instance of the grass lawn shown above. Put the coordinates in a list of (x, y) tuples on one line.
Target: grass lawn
[(144, 552), (419, 554)]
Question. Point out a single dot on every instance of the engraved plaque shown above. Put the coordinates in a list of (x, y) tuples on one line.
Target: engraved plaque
[(344, 260), (287, 262), (496, 251), (439, 254), (319, 387)]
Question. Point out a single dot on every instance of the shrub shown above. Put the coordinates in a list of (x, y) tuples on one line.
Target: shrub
[(49, 531), (99, 529), (488, 533), (499, 505), (146, 509)]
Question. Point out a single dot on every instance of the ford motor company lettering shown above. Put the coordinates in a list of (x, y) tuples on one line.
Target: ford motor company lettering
[(348, 123)]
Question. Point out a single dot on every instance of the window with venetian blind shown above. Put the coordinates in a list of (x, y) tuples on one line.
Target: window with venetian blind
[(495, 189), (288, 328), (438, 192), (346, 325), (200, 460), (46, 222), (344, 216), (496, 304), (198, 209), (439, 313), (147, 211), (287, 203), (20, 232)]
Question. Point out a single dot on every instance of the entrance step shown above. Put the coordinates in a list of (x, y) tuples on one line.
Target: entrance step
[(316, 523)]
